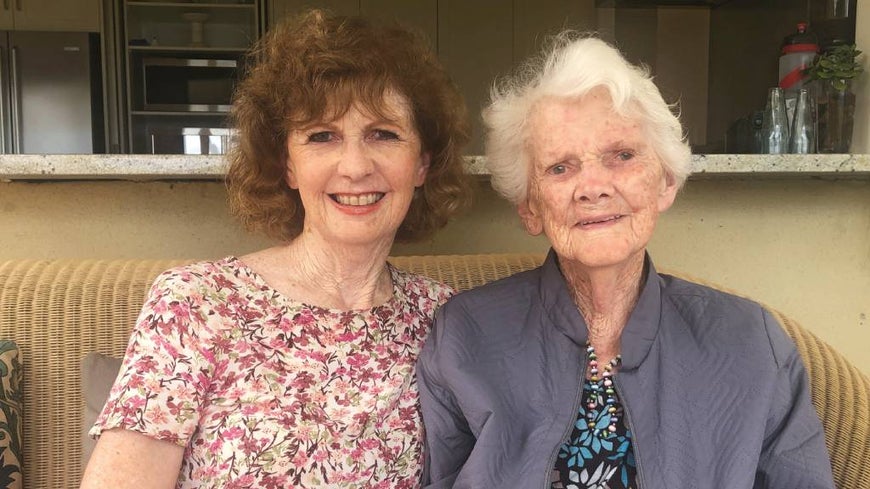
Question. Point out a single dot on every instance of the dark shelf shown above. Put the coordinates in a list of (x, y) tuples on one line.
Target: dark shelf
[(155, 113), (187, 49)]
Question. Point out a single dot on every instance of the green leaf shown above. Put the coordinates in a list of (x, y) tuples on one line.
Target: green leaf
[(838, 63)]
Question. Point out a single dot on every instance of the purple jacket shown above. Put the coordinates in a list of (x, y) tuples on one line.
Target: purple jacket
[(715, 392)]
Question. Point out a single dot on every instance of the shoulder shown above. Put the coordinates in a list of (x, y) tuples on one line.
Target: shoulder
[(727, 319), (187, 307), (203, 276), (420, 290), (695, 299), (511, 292), (478, 323), (499, 308), (201, 291)]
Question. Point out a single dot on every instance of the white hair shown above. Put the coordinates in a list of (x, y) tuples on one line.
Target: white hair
[(572, 67)]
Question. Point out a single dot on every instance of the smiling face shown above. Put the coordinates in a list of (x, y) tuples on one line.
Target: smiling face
[(356, 175), (596, 187)]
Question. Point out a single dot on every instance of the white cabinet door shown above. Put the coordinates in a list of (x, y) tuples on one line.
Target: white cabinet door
[(56, 15)]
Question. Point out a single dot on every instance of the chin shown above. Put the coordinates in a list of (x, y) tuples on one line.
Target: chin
[(363, 237), (599, 258)]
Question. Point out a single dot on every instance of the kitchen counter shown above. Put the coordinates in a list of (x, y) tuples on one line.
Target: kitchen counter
[(193, 167)]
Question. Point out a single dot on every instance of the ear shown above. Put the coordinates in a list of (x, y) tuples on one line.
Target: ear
[(422, 170), (667, 191), (531, 218)]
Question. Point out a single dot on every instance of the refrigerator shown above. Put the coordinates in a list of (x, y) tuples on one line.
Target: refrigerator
[(51, 98)]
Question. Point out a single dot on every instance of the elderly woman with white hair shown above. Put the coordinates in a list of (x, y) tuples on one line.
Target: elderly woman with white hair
[(594, 370)]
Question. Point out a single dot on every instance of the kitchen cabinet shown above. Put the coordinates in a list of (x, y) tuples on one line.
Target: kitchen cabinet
[(477, 41), (717, 62), (475, 51), (278, 9), (420, 14), (714, 58), (535, 21), (50, 15), (483, 40), (181, 61)]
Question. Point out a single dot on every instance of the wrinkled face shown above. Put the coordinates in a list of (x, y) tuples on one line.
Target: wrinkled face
[(596, 187), (356, 175)]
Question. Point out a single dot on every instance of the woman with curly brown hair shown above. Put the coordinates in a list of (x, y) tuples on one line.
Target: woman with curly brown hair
[(294, 366)]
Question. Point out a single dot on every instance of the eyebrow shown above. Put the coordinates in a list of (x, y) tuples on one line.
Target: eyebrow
[(312, 125), (617, 145)]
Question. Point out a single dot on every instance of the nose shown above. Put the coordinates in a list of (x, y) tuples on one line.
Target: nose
[(355, 161), (594, 182)]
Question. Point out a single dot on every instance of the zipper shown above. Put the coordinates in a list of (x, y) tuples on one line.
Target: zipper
[(577, 398), (633, 433)]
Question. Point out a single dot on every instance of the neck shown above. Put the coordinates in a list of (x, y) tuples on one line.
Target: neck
[(340, 276), (605, 297)]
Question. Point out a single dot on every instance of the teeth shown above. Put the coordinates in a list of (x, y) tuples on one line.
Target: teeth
[(361, 199), (603, 220)]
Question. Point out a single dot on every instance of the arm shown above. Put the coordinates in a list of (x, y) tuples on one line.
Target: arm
[(448, 438), (126, 459), (154, 405), (794, 455)]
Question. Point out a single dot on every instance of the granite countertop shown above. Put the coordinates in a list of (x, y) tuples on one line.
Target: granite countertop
[(194, 167)]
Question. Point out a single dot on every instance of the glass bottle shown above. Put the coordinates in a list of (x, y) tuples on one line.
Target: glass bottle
[(803, 132), (774, 130)]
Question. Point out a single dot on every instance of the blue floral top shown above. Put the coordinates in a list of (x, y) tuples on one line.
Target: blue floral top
[(589, 460)]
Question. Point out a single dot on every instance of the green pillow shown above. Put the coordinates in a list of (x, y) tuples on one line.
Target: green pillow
[(10, 416)]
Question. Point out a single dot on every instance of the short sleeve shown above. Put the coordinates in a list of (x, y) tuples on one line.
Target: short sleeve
[(166, 372)]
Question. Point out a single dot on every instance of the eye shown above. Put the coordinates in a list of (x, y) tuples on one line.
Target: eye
[(557, 169), (320, 137), (624, 155), (384, 135)]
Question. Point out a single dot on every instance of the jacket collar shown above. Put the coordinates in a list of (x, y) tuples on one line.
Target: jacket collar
[(639, 332)]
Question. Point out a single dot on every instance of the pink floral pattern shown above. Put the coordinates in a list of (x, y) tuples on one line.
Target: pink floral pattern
[(264, 391)]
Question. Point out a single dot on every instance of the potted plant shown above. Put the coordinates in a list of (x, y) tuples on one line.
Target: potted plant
[(833, 72)]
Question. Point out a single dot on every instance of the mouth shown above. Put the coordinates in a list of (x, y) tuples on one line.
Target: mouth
[(357, 200), (601, 220)]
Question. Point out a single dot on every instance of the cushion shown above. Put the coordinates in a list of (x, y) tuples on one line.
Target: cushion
[(10, 416), (98, 375)]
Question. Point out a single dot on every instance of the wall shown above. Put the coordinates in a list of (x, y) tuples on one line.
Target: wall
[(800, 245)]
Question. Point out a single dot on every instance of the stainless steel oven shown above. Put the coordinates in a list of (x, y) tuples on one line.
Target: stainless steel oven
[(188, 85)]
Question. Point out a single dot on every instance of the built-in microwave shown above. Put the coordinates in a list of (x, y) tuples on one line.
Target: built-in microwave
[(188, 85)]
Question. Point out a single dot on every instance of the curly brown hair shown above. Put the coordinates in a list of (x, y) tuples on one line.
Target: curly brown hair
[(315, 67)]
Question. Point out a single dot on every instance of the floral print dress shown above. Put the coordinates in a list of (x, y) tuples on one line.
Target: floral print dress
[(264, 391), (590, 461)]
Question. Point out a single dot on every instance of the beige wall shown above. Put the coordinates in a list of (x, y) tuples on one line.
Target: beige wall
[(802, 246)]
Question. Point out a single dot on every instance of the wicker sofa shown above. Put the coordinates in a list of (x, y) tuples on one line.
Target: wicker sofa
[(58, 311)]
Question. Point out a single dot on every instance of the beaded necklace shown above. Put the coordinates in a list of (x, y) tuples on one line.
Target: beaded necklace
[(599, 389)]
